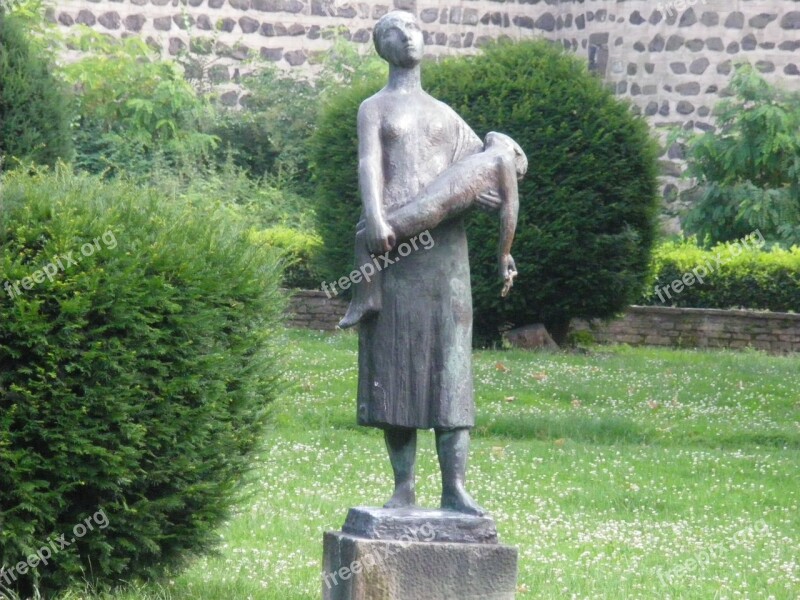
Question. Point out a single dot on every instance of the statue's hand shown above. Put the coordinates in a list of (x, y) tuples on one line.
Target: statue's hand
[(489, 201), (508, 271), (380, 237)]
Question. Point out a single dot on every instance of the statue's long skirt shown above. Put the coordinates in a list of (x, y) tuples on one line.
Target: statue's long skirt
[(415, 367)]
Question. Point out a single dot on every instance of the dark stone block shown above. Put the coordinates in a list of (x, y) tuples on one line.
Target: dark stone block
[(409, 5), (762, 20), (676, 151), (649, 89), (216, 3), (85, 17), (135, 22), (767, 45), (456, 14), (346, 12), (684, 107), (688, 18), (138, 2), (598, 39), (669, 168), (664, 109), (733, 48), (678, 68), (195, 3), (296, 29), (227, 25), (314, 32), (66, 19), (429, 15), (695, 45), (636, 18), (379, 10), (765, 66), (632, 68), (454, 40), (362, 36), (699, 66), (159, 2), (240, 52), (639, 47), (691, 88), (230, 98), (176, 46), (267, 5), (715, 44), (547, 22), (724, 68), (440, 38), (749, 42), (580, 22), (655, 17), (789, 45), (601, 15), (735, 20), (791, 20), (183, 21), (651, 108), (249, 24), (622, 87), (667, 87), (657, 44), (568, 21), (272, 54), (674, 42), (470, 17), (710, 19), (294, 6), (240, 4), (468, 38), (204, 23), (295, 57), (703, 111), (635, 89), (791, 69), (704, 126), (649, 67), (589, 16), (712, 89), (201, 45), (524, 21)]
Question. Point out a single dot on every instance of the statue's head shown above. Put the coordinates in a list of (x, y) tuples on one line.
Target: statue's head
[(398, 39), (493, 138)]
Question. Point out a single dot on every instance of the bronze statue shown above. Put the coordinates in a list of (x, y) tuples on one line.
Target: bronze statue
[(420, 168)]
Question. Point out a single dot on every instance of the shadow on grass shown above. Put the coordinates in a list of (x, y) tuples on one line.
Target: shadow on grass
[(607, 430)]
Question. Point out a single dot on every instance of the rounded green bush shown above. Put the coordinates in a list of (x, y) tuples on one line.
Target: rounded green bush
[(138, 337), (588, 204), (34, 108)]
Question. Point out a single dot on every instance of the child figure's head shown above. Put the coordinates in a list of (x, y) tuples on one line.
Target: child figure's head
[(493, 139)]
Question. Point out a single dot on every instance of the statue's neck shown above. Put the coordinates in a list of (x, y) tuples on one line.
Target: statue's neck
[(406, 80)]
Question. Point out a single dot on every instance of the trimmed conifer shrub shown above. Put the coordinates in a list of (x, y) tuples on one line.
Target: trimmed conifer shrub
[(588, 204), (138, 337), (34, 107)]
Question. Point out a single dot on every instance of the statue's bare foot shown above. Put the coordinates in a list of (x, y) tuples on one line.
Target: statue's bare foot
[(460, 501), (404, 496)]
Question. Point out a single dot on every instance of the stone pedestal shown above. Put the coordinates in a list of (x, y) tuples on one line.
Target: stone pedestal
[(417, 554)]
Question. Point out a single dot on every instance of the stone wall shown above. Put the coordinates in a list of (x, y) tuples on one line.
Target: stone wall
[(641, 325), (700, 328), (670, 58), (314, 310)]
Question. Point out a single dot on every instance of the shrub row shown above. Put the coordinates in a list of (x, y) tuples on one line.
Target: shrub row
[(731, 275)]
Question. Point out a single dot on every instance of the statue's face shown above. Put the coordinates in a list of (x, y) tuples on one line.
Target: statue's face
[(399, 40)]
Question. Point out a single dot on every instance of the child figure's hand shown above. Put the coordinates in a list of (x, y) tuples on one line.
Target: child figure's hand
[(508, 271)]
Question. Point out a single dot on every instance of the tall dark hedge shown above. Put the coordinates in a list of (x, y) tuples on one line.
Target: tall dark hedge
[(135, 382), (588, 203), (34, 107)]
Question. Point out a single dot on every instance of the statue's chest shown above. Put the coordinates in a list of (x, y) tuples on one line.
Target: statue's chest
[(414, 130)]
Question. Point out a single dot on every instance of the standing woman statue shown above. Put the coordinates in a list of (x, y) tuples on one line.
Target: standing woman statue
[(415, 334)]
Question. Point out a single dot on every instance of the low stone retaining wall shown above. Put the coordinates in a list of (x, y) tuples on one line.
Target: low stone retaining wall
[(700, 328), (311, 309), (641, 325)]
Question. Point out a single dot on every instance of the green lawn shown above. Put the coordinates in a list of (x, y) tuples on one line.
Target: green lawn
[(619, 473)]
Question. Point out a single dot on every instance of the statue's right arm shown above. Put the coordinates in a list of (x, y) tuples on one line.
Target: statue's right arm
[(380, 237)]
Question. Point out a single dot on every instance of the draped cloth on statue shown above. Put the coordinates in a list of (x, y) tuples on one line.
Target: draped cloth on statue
[(415, 367)]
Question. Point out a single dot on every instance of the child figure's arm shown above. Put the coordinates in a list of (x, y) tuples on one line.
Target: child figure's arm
[(509, 210)]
